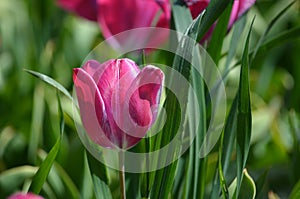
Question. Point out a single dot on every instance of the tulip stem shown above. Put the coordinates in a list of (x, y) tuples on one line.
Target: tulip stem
[(122, 175)]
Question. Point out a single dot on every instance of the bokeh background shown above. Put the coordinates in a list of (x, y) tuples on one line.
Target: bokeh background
[(40, 36)]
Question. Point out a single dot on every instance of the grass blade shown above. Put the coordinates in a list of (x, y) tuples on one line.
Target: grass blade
[(270, 26), (50, 81), (216, 42), (42, 174), (213, 11), (235, 38), (295, 194), (166, 175), (244, 120)]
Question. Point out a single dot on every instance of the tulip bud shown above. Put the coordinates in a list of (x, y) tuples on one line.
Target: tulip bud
[(117, 101), (24, 196)]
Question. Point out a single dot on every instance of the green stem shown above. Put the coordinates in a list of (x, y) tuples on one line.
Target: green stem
[(122, 175)]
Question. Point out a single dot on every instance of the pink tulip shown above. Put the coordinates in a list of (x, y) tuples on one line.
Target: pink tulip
[(24, 196), (84, 8), (117, 101), (116, 16)]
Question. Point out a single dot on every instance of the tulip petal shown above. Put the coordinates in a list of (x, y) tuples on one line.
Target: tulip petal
[(113, 92), (108, 78), (145, 90), (25, 196), (117, 16), (84, 8), (92, 109), (244, 6)]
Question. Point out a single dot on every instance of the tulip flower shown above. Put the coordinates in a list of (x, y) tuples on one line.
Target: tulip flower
[(117, 101), (24, 196), (115, 16)]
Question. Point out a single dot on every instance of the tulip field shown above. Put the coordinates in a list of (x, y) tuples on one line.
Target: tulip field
[(149, 99)]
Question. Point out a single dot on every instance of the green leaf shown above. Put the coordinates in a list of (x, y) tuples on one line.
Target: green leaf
[(182, 17), (261, 184), (243, 133), (295, 194), (36, 122), (225, 151), (97, 168), (102, 190), (247, 188), (288, 35), (216, 41), (42, 174), (100, 177), (67, 181), (14, 177), (270, 26), (186, 45), (212, 13), (51, 82), (235, 39)]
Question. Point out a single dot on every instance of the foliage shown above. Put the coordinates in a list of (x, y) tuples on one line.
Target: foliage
[(258, 59)]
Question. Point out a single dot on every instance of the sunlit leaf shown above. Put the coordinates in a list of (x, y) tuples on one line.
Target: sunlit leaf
[(50, 81), (247, 187)]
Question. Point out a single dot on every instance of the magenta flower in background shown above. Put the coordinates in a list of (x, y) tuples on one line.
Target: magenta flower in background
[(116, 16), (117, 101), (84, 8), (24, 196)]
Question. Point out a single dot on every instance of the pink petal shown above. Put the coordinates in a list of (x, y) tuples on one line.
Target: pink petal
[(113, 92), (196, 7), (139, 108), (92, 109), (149, 83), (84, 8), (234, 13), (244, 6), (116, 16), (108, 78), (25, 196)]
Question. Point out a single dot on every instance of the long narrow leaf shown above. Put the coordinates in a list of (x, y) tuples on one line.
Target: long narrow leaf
[(244, 120), (213, 11), (235, 39), (216, 42), (51, 82), (166, 175), (37, 122), (43, 172), (270, 26)]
